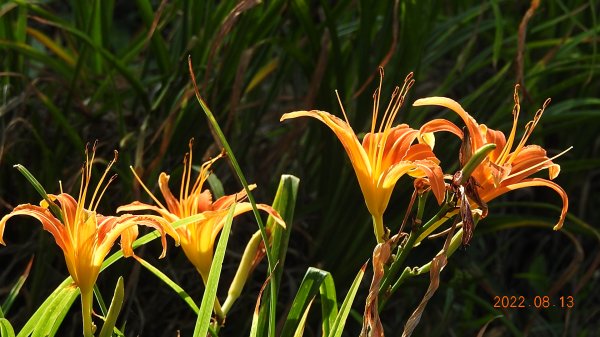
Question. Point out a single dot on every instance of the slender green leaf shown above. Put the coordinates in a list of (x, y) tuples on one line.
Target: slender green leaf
[(40, 189), (238, 171), (329, 306), (36, 317), (6, 330), (14, 291), (54, 314), (309, 288), (210, 292), (100, 300), (114, 309), (300, 329), (172, 284), (284, 203), (340, 321), (215, 186)]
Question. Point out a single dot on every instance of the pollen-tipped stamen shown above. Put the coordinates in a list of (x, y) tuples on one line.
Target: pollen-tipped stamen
[(536, 166), (189, 169), (182, 187), (110, 164), (110, 180), (513, 131), (529, 130), (146, 188)]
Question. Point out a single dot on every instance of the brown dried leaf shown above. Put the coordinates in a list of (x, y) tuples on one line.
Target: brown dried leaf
[(466, 149), (372, 326), (471, 192), (521, 42), (437, 264), (226, 27), (466, 217)]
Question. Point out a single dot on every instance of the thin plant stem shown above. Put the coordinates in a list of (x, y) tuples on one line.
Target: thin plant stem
[(385, 288), (379, 228), (87, 298)]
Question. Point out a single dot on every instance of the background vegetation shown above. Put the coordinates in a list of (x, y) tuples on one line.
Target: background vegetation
[(116, 71)]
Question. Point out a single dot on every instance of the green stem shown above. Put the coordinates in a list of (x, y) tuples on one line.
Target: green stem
[(219, 312), (410, 272), (404, 250), (379, 229), (87, 298), (385, 288)]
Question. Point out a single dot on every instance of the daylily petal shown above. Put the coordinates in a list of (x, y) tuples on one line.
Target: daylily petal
[(420, 151), (204, 201), (140, 206), (114, 228), (68, 205), (437, 125), (43, 215), (127, 238), (472, 126), (400, 140), (172, 203), (498, 138), (389, 179), (436, 178), (226, 201), (358, 156), (530, 183)]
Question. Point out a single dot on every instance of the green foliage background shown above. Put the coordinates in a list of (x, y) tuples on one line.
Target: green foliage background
[(72, 72)]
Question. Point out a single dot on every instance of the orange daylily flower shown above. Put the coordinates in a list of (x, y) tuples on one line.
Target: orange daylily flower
[(198, 238), (385, 154), (506, 168), (85, 236)]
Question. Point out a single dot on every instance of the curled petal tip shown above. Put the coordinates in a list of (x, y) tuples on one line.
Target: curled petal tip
[(558, 226), (293, 114), (553, 171)]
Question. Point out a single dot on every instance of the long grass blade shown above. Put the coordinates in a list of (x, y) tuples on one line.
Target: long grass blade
[(6, 330), (14, 291), (40, 189), (114, 309), (210, 293), (231, 156), (311, 285), (172, 284), (340, 320)]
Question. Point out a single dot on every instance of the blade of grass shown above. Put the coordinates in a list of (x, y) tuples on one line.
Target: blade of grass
[(172, 284), (6, 330), (55, 312), (40, 189), (210, 292), (329, 306), (35, 318), (300, 329), (15, 290), (114, 309), (340, 320), (312, 284), (284, 203), (223, 141)]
